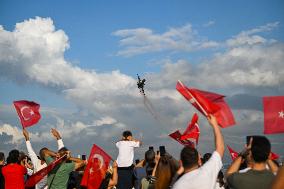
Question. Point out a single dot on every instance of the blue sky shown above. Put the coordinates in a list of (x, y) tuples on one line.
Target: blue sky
[(109, 42)]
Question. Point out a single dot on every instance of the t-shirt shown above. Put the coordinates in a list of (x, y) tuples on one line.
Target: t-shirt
[(251, 179), (126, 152), (58, 177), (203, 177), (14, 176)]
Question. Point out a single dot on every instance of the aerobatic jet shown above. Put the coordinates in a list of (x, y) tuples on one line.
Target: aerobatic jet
[(141, 84)]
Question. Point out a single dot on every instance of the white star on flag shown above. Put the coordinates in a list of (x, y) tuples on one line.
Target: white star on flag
[(32, 113), (281, 114), (91, 171)]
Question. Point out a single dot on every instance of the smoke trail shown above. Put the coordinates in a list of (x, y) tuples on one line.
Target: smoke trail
[(148, 105)]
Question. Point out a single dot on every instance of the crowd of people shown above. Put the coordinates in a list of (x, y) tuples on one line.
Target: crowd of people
[(252, 169)]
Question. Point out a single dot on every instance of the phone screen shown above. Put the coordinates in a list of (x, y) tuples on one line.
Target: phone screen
[(162, 150), (83, 157)]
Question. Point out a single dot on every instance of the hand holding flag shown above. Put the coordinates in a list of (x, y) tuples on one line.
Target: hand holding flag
[(177, 136), (233, 153), (96, 168), (208, 103), (35, 178), (192, 131), (28, 112)]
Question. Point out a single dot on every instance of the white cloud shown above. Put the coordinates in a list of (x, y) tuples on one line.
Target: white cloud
[(144, 40), (249, 38), (34, 52), (105, 120), (16, 134), (208, 24)]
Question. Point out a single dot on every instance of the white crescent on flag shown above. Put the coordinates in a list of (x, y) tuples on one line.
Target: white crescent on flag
[(22, 113), (100, 158)]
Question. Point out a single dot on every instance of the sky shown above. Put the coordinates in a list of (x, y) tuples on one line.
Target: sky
[(79, 60)]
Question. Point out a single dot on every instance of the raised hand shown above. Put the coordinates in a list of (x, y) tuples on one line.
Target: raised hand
[(55, 133), (212, 120), (26, 134)]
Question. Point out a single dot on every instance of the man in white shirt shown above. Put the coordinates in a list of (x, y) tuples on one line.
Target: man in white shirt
[(204, 177), (125, 160), (40, 163)]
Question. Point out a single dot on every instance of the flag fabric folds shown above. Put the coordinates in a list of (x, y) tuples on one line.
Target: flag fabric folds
[(233, 153), (208, 103), (192, 130), (274, 156), (177, 136), (273, 109), (96, 168), (35, 178), (28, 112)]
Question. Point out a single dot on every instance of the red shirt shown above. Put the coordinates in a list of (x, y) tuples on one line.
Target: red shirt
[(14, 176)]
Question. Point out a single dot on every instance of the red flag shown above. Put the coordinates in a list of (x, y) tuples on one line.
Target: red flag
[(96, 168), (274, 156), (28, 112), (273, 108), (176, 136), (35, 178), (192, 130), (233, 153), (208, 103)]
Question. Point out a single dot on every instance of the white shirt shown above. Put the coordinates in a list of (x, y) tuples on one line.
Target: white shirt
[(203, 177), (126, 152), (37, 163)]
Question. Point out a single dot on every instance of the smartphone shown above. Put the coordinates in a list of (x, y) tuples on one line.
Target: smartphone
[(162, 150), (151, 148), (83, 157)]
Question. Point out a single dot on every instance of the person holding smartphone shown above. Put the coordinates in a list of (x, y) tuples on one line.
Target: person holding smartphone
[(125, 160)]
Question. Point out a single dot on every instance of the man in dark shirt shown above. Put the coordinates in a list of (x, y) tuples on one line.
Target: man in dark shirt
[(258, 176), (2, 162)]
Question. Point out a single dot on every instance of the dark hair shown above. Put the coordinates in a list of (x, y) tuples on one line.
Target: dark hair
[(2, 156), (41, 153), (13, 156), (149, 161), (189, 157), (63, 149), (260, 149), (220, 179), (166, 169), (206, 157), (126, 134)]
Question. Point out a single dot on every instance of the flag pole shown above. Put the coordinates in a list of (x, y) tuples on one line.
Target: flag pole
[(206, 114)]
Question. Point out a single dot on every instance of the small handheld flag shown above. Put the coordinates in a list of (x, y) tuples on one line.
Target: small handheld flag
[(28, 112)]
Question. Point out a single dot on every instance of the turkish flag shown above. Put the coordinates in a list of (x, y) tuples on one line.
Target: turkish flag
[(35, 178), (96, 168), (192, 130), (273, 108), (208, 103), (233, 153), (274, 156), (177, 136), (28, 112)]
